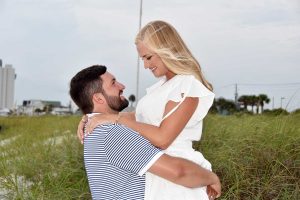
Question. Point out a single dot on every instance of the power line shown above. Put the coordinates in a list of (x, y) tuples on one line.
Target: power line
[(268, 84), (257, 84), (229, 85)]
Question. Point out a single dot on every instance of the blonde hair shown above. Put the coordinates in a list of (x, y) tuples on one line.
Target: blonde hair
[(163, 39)]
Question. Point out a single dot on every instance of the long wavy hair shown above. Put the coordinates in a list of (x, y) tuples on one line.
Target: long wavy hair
[(163, 39)]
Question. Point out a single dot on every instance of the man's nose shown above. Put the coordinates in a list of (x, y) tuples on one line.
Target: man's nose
[(122, 87)]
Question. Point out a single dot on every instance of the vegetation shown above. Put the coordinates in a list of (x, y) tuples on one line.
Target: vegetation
[(226, 107), (41, 159), (253, 100), (223, 106), (256, 157), (277, 111)]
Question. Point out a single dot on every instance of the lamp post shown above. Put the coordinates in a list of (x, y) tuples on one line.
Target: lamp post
[(281, 99), (138, 59)]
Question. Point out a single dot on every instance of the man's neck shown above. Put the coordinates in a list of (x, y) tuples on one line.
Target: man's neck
[(105, 111)]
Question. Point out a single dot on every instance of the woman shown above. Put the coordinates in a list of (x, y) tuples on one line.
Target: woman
[(170, 114)]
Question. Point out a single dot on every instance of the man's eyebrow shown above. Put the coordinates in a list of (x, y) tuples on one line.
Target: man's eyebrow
[(113, 79)]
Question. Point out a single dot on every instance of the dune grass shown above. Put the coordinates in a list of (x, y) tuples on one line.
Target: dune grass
[(256, 157), (44, 161)]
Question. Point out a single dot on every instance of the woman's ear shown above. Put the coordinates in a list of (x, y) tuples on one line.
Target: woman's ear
[(98, 98)]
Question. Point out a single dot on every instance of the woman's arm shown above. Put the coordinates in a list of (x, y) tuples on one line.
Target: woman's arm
[(129, 115), (170, 128), (96, 120), (186, 173), (161, 136)]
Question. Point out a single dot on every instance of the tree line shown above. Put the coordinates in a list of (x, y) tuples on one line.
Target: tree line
[(224, 106)]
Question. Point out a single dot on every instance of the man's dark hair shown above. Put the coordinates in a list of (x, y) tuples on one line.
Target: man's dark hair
[(84, 84)]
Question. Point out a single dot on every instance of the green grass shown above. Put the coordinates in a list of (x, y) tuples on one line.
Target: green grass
[(256, 157), (34, 166)]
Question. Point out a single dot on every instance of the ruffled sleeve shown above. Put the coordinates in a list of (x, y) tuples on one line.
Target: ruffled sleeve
[(188, 86)]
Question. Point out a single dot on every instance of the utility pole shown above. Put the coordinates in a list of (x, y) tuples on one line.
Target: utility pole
[(138, 59), (236, 96), (281, 99), (273, 103)]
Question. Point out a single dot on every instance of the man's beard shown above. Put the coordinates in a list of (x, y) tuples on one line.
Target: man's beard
[(115, 102)]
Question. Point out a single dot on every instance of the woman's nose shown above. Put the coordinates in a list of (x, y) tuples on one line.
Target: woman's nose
[(146, 64)]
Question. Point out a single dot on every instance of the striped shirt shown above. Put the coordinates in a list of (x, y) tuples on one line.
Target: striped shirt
[(116, 159)]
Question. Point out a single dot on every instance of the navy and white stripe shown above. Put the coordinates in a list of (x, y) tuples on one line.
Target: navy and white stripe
[(116, 159)]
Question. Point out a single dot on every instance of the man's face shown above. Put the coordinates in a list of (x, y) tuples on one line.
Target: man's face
[(112, 91)]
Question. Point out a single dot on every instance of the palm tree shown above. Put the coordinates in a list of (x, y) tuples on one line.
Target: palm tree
[(245, 100), (262, 99), (253, 101), (131, 98)]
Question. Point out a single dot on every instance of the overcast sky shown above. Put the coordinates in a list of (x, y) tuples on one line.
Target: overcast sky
[(255, 44)]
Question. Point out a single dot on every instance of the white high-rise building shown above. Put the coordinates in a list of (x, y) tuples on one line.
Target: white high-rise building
[(7, 86)]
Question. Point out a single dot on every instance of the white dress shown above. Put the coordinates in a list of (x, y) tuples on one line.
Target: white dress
[(150, 110)]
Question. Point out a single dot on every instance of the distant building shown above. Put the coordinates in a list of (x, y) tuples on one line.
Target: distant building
[(61, 111), (40, 107), (7, 86), (40, 103), (30, 107), (5, 112)]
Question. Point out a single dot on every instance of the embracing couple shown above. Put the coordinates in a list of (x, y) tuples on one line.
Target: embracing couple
[(147, 154)]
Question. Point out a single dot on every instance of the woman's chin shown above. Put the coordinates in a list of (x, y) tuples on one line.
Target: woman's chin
[(157, 75)]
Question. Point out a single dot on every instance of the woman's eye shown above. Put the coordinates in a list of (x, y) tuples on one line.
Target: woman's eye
[(149, 58)]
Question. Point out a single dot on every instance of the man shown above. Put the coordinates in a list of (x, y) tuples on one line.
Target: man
[(116, 157)]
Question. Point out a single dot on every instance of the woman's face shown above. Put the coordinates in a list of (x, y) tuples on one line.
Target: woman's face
[(153, 62)]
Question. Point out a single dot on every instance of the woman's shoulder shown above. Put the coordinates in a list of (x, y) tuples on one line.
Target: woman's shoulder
[(185, 79), (182, 77), (190, 84)]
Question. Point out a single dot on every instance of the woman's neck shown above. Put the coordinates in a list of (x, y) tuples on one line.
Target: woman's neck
[(169, 75)]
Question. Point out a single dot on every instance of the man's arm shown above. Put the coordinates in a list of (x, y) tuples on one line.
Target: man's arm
[(185, 173), (128, 150)]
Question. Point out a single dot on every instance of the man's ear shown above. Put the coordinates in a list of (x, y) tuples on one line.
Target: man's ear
[(98, 98)]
